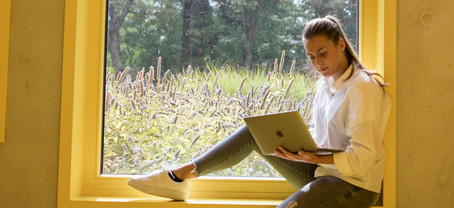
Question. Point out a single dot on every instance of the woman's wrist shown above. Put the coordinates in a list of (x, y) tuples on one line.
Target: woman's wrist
[(325, 159)]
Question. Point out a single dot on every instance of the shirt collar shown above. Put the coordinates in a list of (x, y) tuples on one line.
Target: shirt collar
[(333, 86)]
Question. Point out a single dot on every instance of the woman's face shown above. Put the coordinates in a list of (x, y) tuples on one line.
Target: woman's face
[(326, 57)]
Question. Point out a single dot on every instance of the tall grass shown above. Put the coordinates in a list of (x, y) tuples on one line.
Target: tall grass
[(158, 119)]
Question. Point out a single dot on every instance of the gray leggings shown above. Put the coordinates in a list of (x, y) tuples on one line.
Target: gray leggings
[(326, 191)]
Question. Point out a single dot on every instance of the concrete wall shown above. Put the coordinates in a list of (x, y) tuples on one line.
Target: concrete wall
[(425, 110), (29, 158), (425, 117)]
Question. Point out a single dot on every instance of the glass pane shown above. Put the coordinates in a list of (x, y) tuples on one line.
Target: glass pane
[(181, 75)]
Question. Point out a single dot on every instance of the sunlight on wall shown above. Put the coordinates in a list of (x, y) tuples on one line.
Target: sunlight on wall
[(5, 11)]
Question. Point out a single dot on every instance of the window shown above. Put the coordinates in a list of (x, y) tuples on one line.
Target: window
[(169, 113), (80, 183), (5, 12)]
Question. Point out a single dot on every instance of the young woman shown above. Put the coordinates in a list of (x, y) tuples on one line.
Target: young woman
[(350, 112)]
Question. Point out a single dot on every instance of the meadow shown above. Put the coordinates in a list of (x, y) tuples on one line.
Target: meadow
[(156, 119)]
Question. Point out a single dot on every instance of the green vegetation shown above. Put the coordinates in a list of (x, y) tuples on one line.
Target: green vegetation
[(161, 120), (246, 33), (165, 116)]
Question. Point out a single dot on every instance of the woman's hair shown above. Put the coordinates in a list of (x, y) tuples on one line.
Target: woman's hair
[(330, 27)]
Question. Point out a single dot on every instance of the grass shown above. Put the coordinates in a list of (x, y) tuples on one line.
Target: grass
[(155, 120)]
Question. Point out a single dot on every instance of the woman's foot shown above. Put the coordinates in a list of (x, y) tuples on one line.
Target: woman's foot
[(169, 184), (160, 184), (187, 171)]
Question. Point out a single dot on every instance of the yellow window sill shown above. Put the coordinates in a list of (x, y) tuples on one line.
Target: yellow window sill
[(151, 202)]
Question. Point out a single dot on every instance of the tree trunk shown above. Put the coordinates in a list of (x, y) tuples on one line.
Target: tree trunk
[(114, 49), (250, 16), (185, 37), (114, 33), (201, 11)]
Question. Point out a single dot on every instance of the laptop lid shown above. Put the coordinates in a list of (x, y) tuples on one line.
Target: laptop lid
[(286, 129)]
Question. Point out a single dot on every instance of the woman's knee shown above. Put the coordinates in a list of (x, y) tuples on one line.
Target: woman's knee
[(323, 192)]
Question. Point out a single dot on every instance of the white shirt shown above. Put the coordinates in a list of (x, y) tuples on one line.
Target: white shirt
[(351, 114)]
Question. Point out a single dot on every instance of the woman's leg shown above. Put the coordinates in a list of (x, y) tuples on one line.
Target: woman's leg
[(224, 154), (329, 191), (296, 173), (230, 151), (237, 147)]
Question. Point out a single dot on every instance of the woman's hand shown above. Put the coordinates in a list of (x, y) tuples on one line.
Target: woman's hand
[(300, 156)]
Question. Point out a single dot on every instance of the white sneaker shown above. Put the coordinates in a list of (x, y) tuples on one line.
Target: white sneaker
[(160, 184)]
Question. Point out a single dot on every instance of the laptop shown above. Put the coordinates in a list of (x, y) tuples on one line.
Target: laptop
[(285, 129)]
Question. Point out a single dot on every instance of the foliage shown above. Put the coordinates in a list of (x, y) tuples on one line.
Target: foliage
[(161, 120), (154, 28)]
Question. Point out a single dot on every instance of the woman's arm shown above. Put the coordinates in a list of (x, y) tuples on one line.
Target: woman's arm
[(365, 124), (303, 156)]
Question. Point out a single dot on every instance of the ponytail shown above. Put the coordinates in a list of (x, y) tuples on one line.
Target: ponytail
[(330, 27)]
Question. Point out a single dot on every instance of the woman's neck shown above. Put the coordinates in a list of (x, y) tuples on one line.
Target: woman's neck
[(344, 66)]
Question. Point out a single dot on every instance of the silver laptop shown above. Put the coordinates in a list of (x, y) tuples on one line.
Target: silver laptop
[(285, 129)]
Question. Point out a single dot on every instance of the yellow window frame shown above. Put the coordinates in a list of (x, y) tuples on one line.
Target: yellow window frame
[(5, 14), (80, 183)]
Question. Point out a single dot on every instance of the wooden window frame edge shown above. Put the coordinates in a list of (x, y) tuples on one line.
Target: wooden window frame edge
[(80, 183), (5, 21)]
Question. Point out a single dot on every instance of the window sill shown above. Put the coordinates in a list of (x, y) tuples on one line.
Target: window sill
[(150, 202)]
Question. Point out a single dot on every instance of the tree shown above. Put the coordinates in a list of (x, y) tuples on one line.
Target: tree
[(250, 14), (115, 23), (185, 30), (237, 32), (247, 12), (152, 29), (201, 17), (345, 10)]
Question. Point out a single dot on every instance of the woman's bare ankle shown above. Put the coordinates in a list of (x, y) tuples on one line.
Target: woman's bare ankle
[(187, 171)]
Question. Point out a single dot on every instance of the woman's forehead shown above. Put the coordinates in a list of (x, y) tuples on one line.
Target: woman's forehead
[(312, 45)]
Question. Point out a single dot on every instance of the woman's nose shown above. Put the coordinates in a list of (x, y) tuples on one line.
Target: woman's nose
[(317, 61)]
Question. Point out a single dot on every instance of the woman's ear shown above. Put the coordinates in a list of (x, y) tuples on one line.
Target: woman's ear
[(342, 44)]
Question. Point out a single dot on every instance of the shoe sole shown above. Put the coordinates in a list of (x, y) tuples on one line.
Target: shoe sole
[(167, 193)]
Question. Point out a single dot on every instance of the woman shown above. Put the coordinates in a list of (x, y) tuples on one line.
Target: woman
[(350, 112)]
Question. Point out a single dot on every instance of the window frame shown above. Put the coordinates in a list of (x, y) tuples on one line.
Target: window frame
[(5, 15), (80, 182)]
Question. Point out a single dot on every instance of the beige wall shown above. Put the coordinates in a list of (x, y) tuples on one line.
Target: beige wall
[(425, 110), (29, 158)]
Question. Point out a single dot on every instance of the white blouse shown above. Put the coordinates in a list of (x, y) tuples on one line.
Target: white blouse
[(351, 114)]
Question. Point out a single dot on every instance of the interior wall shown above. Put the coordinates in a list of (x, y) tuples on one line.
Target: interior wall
[(29, 158), (425, 113)]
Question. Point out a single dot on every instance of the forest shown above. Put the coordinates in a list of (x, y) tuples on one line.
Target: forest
[(244, 33)]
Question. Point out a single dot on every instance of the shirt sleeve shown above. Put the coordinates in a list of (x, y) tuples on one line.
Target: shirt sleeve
[(363, 127)]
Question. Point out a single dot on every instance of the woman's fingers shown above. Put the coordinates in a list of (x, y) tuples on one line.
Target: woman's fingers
[(308, 156), (300, 156), (284, 153)]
